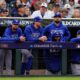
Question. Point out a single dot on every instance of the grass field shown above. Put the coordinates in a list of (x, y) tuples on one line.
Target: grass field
[(40, 78)]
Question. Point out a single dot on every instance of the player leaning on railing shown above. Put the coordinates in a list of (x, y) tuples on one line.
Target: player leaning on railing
[(75, 56), (55, 31), (34, 33), (12, 31)]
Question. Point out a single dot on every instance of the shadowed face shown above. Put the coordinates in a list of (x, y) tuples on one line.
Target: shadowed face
[(57, 19), (56, 38), (38, 24), (15, 27), (21, 9), (43, 9)]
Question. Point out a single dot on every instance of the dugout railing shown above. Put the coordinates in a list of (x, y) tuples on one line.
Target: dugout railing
[(72, 24), (11, 44)]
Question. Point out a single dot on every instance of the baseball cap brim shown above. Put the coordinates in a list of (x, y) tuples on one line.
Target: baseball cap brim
[(37, 19), (44, 5), (16, 22)]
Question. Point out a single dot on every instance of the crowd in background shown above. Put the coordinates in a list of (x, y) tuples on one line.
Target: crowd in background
[(43, 8)]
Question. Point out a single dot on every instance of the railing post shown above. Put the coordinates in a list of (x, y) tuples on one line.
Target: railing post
[(35, 59), (64, 61), (18, 62)]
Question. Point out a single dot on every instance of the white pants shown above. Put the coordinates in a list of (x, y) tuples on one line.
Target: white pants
[(75, 69)]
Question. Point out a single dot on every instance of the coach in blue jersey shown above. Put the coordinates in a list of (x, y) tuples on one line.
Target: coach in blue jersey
[(33, 32), (56, 27), (15, 33), (75, 56)]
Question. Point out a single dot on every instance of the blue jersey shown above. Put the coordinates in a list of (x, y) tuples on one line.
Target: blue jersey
[(12, 34), (33, 34), (52, 29), (52, 57), (75, 53)]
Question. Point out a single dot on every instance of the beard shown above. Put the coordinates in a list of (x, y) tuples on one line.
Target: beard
[(57, 21), (14, 29), (38, 25)]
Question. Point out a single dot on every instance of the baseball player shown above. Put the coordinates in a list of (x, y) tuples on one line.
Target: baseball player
[(52, 58), (75, 56), (15, 32), (33, 32)]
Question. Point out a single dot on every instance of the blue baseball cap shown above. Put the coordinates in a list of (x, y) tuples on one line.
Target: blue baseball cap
[(37, 19), (78, 32), (17, 22), (58, 14)]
